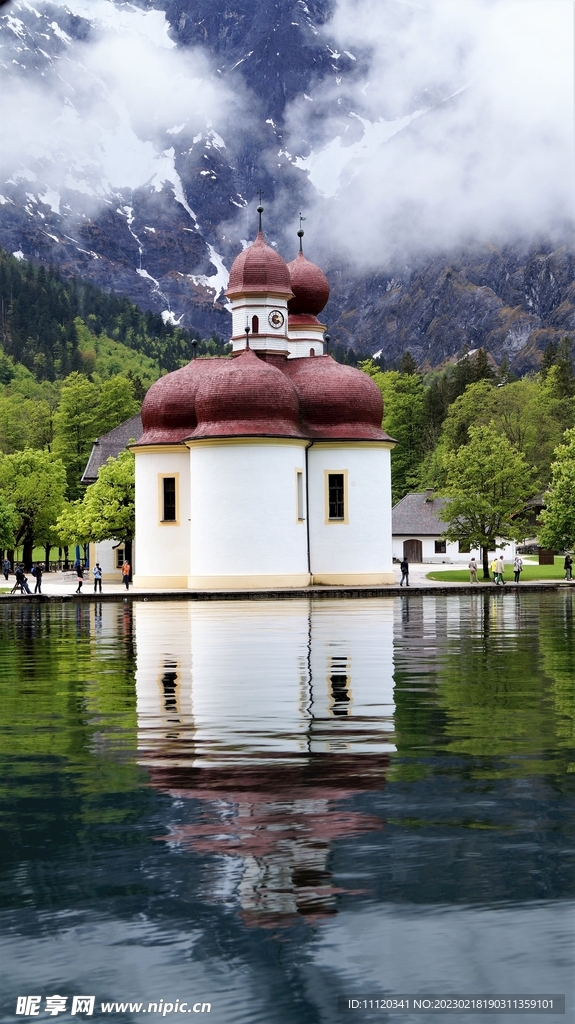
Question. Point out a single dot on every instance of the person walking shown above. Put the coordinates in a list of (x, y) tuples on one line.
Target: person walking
[(126, 574), (473, 571), (568, 566), (500, 571), (80, 577), (97, 570), (494, 569), (517, 568), (6, 568), (37, 574), (404, 566)]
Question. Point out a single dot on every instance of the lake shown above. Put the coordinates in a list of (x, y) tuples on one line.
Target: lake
[(259, 806)]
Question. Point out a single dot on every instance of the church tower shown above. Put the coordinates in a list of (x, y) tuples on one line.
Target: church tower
[(259, 289), (310, 293)]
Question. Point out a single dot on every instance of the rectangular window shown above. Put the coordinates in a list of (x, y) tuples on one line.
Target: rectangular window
[(119, 558), (169, 502), (464, 547), (299, 493), (336, 496), (440, 547)]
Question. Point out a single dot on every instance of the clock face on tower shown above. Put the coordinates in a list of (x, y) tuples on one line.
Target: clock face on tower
[(276, 319)]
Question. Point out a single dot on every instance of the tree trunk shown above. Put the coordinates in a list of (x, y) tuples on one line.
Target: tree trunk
[(28, 552), (485, 551), (128, 555), (66, 562), (10, 557), (47, 550)]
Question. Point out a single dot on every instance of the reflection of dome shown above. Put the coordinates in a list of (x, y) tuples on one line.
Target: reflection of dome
[(309, 286), (337, 401), (246, 396), (280, 820), (259, 268)]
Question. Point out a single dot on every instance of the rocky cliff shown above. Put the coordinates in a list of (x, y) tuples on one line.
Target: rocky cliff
[(157, 210)]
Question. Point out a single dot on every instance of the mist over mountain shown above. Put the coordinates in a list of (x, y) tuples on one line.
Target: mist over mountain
[(433, 167)]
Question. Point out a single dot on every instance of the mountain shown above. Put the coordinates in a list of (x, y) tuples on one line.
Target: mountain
[(140, 133)]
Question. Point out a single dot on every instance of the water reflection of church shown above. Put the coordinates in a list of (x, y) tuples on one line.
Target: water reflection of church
[(240, 711)]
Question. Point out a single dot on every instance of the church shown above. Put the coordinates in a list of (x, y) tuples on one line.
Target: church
[(269, 469)]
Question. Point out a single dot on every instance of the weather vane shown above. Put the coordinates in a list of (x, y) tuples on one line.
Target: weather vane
[(301, 231), (260, 208)]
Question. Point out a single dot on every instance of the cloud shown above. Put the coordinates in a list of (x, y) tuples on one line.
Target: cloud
[(459, 130), (105, 111)]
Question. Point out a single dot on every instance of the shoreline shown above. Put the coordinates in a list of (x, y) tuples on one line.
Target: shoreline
[(341, 593)]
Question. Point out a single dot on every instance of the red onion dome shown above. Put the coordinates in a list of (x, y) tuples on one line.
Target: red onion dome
[(309, 286), (168, 412), (259, 268), (246, 396), (337, 401)]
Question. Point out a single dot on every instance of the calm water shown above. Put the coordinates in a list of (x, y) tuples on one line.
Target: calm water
[(262, 805)]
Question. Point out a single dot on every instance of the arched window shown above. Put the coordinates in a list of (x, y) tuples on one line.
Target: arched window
[(255, 325), (312, 351)]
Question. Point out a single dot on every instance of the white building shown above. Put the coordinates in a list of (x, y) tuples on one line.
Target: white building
[(270, 468), (418, 533), (109, 553)]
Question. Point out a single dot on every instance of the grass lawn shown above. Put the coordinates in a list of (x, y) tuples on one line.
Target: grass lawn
[(530, 572)]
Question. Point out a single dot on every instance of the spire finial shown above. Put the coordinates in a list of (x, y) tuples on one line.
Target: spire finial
[(247, 330), (260, 209), (300, 233)]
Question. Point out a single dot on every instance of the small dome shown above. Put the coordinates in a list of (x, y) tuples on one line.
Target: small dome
[(259, 268), (309, 286), (246, 396), (168, 412), (337, 401)]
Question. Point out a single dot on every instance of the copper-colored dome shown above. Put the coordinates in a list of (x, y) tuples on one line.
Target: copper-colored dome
[(309, 286), (336, 401), (246, 396), (259, 268), (168, 412)]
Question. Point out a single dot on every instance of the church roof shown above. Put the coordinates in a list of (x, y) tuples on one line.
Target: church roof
[(110, 445), (247, 396), (257, 269), (418, 515), (309, 285)]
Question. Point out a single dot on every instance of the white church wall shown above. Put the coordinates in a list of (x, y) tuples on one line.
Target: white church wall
[(245, 531), (357, 550), (162, 552)]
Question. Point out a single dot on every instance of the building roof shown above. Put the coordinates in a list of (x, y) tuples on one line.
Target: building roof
[(309, 285), (110, 445), (257, 269), (248, 396), (418, 515)]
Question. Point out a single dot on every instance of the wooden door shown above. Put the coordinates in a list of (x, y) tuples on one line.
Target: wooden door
[(413, 550)]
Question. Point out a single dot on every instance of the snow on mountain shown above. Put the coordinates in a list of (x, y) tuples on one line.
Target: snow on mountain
[(136, 136)]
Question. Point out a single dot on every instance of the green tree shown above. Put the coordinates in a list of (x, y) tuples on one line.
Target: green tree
[(558, 517), (488, 483), (107, 510), (34, 482), (403, 405), (8, 524), (407, 363), (75, 427), (86, 411)]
